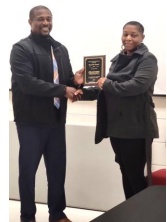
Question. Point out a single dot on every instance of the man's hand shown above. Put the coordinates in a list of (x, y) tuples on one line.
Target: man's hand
[(78, 78), (70, 93), (77, 95), (100, 82)]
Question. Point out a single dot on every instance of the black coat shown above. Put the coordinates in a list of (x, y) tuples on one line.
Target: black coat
[(124, 106), (33, 89)]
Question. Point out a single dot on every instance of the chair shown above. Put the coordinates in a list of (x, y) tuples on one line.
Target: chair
[(159, 177)]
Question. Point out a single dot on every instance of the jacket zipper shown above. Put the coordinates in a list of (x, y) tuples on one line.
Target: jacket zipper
[(62, 68)]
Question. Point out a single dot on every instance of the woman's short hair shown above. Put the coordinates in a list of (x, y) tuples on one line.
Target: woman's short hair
[(138, 24)]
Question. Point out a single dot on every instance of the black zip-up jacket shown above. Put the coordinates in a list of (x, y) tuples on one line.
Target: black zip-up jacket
[(33, 90)]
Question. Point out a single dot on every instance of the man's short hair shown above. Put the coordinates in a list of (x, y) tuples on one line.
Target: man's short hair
[(32, 11)]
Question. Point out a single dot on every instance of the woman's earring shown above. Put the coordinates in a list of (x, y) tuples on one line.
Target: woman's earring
[(122, 49), (138, 46)]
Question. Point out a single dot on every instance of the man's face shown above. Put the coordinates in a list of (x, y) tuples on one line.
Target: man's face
[(41, 22)]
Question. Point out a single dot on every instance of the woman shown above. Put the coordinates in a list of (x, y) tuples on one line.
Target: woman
[(125, 111)]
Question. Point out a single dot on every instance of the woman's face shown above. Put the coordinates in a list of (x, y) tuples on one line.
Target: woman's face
[(131, 38)]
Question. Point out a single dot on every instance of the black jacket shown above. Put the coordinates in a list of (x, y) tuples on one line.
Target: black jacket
[(124, 107), (33, 89)]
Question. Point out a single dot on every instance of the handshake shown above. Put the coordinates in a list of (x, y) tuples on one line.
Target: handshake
[(76, 94), (73, 94)]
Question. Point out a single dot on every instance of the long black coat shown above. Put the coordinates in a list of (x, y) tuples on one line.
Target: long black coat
[(124, 106)]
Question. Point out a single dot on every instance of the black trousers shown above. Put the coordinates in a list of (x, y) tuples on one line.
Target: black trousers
[(131, 156), (36, 141)]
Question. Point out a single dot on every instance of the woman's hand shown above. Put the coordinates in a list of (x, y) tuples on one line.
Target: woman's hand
[(100, 82)]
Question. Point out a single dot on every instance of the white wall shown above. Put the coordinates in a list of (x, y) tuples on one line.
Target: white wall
[(91, 27)]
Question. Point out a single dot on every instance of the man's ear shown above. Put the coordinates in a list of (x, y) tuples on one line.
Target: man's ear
[(29, 21)]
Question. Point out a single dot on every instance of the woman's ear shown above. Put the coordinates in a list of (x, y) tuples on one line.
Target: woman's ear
[(143, 37)]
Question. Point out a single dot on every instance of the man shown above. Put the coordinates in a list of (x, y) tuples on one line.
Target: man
[(42, 81)]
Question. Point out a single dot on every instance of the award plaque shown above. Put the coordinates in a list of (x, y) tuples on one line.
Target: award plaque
[(94, 69)]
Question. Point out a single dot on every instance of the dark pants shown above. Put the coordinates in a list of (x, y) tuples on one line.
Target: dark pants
[(131, 156), (34, 141)]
